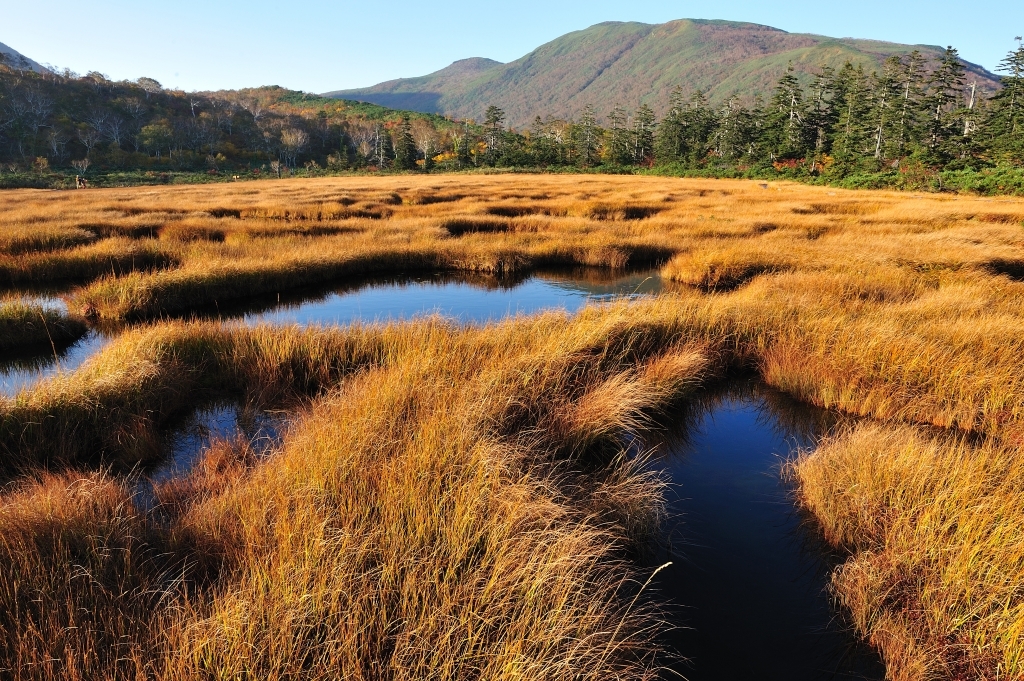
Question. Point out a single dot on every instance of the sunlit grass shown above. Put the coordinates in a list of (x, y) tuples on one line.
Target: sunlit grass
[(454, 503), (463, 484)]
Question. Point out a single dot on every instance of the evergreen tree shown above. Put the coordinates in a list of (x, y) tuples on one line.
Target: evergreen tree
[(821, 113), (885, 114), (405, 146), (1004, 128), (736, 135), (907, 135), (944, 103), (620, 138), (853, 139), (644, 124), (687, 133), (670, 143), (494, 128), (585, 141), (784, 123), (383, 149), (463, 157)]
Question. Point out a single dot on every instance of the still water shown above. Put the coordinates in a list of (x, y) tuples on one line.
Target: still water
[(749, 577), (748, 580), (468, 299)]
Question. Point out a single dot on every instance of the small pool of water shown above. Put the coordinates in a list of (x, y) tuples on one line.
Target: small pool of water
[(186, 443), (466, 298), (22, 370), (749, 579)]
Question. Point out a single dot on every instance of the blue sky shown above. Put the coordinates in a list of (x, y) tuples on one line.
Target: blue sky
[(318, 46)]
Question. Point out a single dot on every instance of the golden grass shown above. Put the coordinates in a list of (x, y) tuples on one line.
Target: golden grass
[(457, 507), (898, 307), (25, 324), (934, 524)]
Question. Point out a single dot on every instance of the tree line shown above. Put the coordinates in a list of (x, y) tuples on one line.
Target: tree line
[(65, 120), (846, 121), (910, 115)]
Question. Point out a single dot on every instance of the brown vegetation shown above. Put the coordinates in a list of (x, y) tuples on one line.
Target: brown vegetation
[(25, 323), (900, 308), (434, 516)]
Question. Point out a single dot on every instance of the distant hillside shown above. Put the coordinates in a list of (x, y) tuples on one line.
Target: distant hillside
[(632, 63), (18, 60)]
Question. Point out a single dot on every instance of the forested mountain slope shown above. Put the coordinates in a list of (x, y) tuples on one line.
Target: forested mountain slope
[(628, 64)]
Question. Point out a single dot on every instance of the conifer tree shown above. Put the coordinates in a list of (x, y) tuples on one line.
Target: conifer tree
[(405, 146), (620, 142), (853, 128), (542, 145), (644, 124), (885, 109), (462, 151), (821, 112), (784, 123), (736, 134), (907, 134), (382, 146), (494, 127), (687, 133), (945, 110), (585, 138), (1004, 128), (670, 144)]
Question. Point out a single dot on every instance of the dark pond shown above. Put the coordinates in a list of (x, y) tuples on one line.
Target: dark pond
[(749, 578), (749, 575), (470, 299)]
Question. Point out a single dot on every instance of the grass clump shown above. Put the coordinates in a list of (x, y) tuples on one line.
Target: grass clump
[(933, 524), (457, 506), (25, 324)]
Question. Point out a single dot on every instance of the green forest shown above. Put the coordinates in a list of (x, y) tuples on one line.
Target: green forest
[(916, 124)]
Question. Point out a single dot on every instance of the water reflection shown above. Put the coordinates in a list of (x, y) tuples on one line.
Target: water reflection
[(226, 421), (187, 442), (464, 297), (20, 370), (472, 299), (749, 575)]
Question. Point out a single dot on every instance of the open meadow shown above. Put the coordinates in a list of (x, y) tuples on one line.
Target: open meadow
[(468, 501)]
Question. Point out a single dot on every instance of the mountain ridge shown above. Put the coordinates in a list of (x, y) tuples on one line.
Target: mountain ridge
[(629, 63), (17, 59)]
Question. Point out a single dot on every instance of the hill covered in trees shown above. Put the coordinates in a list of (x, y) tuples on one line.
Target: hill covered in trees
[(89, 125), (910, 123), (633, 63)]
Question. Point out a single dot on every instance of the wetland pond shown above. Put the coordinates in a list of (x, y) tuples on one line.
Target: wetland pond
[(748, 584), (466, 298)]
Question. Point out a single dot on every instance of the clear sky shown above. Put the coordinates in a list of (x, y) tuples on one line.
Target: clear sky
[(316, 46)]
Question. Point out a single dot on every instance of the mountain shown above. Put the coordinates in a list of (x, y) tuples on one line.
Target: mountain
[(18, 60), (632, 63)]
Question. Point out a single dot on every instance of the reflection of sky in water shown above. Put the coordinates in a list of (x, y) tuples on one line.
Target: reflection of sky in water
[(185, 444), (398, 299), (749, 576), (460, 300), (217, 422), (21, 372)]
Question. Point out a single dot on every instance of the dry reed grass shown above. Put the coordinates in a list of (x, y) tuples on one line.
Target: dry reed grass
[(934, 525), (456, 508), (898, 307), (25, 323)]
